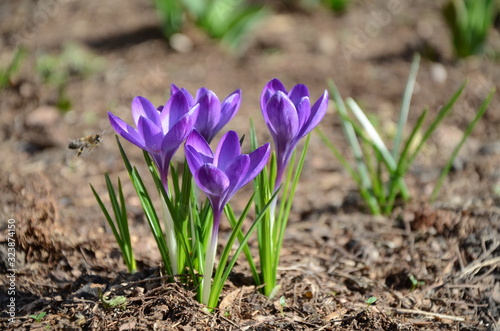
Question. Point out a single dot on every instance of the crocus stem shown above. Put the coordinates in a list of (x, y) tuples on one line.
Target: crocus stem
[(272, 208), (170, 237), (279, 175), (272, 219), (210, 258)]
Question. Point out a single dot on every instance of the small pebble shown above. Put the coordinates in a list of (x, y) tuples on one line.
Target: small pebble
[(181, 43), (438, 73)]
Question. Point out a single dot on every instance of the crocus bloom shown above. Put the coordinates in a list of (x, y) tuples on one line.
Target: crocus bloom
[(289, 117), (159, 131), (213, 114), (220, 176)]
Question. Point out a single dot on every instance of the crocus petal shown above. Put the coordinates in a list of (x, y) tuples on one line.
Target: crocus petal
[(143, 107), (200, 93), (276, 85), (258, 160), (173, 89), (211, 180), (176, 107), (304, 111), (236, 172), (318, 111), (272, 87), (180, 131), (198, 146), (227, 150), (283, 117), (209, 114), (151, 134), (229, 108), (193, 158), (189, 97), (199, 143), (297, 93), (126, 131)]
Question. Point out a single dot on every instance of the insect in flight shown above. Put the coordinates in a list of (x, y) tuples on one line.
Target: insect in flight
[(89, 142)]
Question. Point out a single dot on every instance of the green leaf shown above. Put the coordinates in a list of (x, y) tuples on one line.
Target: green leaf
[(469, 22), (241, 24), (116, 302), (403, 163), (246, 250), (171, 15), (439, 118), (223, 270), (120, 230), (148, 207), (152, 218), (363, 178), (456, 150), (415, 282), (379, 145), (38, 317), (7, 73), (405, 106)]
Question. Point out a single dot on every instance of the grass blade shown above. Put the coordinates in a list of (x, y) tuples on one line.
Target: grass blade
[(405, 106), (108, 218), (403, 164), (372, 133), (439, 118), (246, 250), (152, 218), (365, 184), (223, 270), (379, 144), (467, 132)]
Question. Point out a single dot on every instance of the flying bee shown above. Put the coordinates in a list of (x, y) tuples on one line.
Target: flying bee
[(89, 142)]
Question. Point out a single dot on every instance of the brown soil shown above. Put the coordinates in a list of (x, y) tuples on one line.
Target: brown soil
[(335, 255)]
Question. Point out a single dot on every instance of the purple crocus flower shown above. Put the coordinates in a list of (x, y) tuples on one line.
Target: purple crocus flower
[(159, 131), (213, 114), (289, 116), (220, 176)]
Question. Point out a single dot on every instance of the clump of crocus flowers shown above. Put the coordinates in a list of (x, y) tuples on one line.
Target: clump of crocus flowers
[(188, 239)]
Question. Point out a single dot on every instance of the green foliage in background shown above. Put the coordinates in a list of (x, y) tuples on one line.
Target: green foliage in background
[(7, 73), (379, 172), (338, 6), (469, 22), (56, 70), (226, 20), (73, 61)]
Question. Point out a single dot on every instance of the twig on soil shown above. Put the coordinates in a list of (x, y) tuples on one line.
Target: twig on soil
[(481, 261), (474, 267), (227, 320), (435, 315)]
